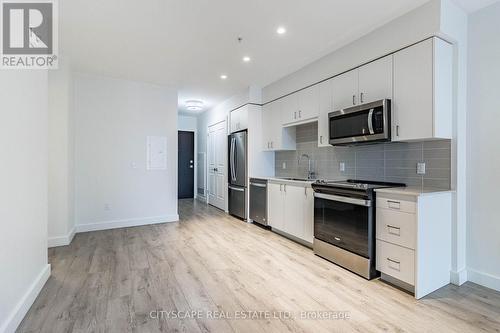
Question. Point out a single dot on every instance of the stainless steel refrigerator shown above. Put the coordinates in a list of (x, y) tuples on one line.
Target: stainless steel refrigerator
[(237, 182)]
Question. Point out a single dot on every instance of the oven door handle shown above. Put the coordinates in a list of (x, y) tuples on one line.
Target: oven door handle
[(354, 201)]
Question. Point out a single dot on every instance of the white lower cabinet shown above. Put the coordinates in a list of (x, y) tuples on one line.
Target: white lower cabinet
[(291, 209), (413, 246)]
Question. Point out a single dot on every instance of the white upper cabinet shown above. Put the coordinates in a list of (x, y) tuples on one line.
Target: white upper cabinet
[(301, 106), (275, 137), (375, 80), (422, 103), (325, 92), (368, 83), (345, 90), (239, 119), (308, 103)]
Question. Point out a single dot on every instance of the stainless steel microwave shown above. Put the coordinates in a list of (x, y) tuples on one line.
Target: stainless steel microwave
[(361, 124)]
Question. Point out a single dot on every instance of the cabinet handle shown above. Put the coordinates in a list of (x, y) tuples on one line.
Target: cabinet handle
[(272, 144), (353, 99), (281, 187), (321, 139), (295, 115), (397, 130), (305, 191), (300, 114), (361, 98), (393, 204), (284, 188)]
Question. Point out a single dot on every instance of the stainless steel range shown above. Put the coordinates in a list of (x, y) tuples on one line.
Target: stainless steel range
[(344, 223)]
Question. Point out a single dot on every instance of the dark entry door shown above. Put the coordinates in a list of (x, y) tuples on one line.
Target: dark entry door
[(186, 165)]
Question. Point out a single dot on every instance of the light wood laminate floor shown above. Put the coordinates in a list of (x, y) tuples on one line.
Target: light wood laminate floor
[(111, 281)]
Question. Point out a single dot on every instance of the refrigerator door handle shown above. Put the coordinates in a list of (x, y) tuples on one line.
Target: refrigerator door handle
[(233, 144), (235, 160)]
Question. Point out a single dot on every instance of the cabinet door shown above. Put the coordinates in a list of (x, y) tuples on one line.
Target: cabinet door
[(276, 134), (325, 92), (308, 103), (275, 205), (375, 80), (345, 90), (289, 110), (308, 221), (235, 120), (242, 118), (293, 207), (413, 92), (267, 123)]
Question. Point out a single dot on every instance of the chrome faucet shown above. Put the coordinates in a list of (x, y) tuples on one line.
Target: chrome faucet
[(310, 172)]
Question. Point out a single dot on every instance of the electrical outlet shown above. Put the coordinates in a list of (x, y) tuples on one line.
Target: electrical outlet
[(342, 166), (420, 168), (283, 166)]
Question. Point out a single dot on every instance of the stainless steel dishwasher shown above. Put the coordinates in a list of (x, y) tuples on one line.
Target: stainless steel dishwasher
[(258, 200)]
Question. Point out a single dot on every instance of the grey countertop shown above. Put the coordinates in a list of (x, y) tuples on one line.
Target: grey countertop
[(412, 190)]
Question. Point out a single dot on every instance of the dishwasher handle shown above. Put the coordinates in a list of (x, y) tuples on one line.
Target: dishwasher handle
[(258, 185)]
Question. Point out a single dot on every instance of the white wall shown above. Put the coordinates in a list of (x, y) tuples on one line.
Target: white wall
[(187, 123), (483, 235), (61, 220), (113, 119), (23, 192)]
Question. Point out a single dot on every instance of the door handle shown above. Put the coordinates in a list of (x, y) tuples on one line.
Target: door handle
[(370, 121), (236, 189)]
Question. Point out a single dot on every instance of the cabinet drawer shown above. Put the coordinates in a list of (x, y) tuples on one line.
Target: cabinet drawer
[(396, 227), (397, 204), (396, 261)]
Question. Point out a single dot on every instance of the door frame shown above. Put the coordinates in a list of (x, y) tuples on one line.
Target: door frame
[(225, 120), (195, 160)]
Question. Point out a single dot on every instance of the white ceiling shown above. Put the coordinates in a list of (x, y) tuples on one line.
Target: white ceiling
[(188, 44)]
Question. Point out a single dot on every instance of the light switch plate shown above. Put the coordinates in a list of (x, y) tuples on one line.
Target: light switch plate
[(420, 168), (342, 166)]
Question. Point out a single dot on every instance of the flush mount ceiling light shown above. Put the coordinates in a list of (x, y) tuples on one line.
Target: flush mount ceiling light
[(223, 76), (194, 105), (246, 59), (281, 30)]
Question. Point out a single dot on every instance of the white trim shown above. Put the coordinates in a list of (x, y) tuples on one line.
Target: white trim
[(484, 279), (61, 240), (105, 225), (458, 278), (22, 307)]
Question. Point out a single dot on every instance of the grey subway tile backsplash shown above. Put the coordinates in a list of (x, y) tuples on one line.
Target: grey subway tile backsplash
[(393, 162)]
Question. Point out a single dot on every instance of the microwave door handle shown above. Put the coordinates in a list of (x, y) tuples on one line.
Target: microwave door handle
[(370, 122)]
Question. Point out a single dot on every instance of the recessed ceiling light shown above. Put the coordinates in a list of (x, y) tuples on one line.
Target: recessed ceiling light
[(246, 59), (281, 30), (194, 105), (223, 76)]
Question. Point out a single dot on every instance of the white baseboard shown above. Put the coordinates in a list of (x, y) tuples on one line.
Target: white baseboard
[(484, 279), (105, 225), (22, 307), (62, 240), (458, 278)]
